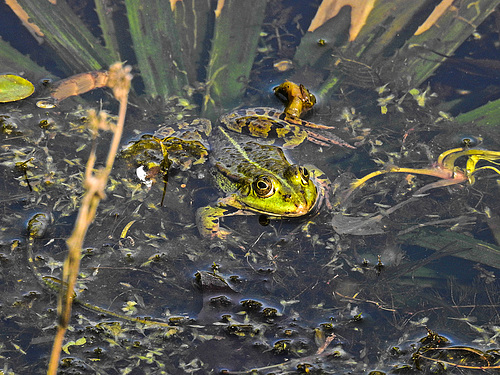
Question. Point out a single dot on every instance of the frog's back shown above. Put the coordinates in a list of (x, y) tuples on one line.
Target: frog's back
[(239, 157)]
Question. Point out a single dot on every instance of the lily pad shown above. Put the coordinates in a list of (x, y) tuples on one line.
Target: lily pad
[(14, 88)]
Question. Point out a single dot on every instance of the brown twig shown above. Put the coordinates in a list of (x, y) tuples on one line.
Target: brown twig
[(95, 184)]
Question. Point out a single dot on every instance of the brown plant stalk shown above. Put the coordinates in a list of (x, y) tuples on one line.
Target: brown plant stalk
[(95, 183)]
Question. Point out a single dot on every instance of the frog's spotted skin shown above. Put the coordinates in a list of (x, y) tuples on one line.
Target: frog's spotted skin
[(264, 123), (270, 123), (253, 173)]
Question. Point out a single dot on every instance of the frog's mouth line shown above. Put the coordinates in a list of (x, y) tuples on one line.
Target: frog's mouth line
[(292, 214)]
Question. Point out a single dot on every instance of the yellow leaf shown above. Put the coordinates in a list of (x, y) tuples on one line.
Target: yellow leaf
[(127, 227), (220, 5), (172, 4), (81, 341), (25, 19), (434, 16), (13, 88), (360, 9), (19, 348)]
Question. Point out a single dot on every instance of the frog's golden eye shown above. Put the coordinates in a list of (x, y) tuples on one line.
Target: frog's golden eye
[(263, 186)]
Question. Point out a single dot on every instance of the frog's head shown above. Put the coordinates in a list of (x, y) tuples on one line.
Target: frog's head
[(290, 194)]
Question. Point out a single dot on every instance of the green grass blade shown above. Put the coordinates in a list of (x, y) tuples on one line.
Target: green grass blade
[(234, 47), (67, 35), (157, 47)]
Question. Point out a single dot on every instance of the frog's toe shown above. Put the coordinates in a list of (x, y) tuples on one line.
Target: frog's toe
[(331, 139), (208, 219), (221, 234)]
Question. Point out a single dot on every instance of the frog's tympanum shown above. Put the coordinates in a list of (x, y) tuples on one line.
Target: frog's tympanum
[(254, 173)]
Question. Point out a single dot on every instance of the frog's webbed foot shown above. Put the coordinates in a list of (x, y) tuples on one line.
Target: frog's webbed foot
[(307, 124), (322, 140), (315, 137), (208, 220)]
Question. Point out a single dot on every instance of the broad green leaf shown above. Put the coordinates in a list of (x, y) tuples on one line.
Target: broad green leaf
[(13, 88)]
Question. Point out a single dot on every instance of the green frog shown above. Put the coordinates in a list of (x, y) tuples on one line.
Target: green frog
[(255, 178), (254, 174)]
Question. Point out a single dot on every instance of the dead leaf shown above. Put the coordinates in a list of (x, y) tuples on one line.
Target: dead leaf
[(25, 19), (220, 5), (360, 9), (434, 16), (78, 84), (173, 3)]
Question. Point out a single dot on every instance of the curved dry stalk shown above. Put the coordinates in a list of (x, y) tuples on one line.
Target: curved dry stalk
[(450, 177), (444, 169), (95, 184)]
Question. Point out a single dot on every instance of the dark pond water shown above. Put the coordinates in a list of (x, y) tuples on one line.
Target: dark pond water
[(378, 282)]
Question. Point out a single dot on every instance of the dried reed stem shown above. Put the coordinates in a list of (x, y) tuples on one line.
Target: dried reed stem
[(95, 184)]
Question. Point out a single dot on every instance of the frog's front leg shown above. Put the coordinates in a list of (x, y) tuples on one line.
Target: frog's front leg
[(208, 217)]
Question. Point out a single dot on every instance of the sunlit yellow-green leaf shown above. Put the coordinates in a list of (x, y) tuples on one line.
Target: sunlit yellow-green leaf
[(79, 342), (14, 88)]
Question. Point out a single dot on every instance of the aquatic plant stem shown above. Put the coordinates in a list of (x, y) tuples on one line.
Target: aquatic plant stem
[(95, 183), (444, 168), (436, 172)]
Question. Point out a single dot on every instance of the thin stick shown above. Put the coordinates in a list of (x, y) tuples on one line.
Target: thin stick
[(95, 183)]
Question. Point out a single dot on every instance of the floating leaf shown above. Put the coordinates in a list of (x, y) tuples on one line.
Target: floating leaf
[(14, 88), (79, 342)]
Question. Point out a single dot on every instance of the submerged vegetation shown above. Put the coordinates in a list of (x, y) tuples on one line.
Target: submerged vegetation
[(399, 278)]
